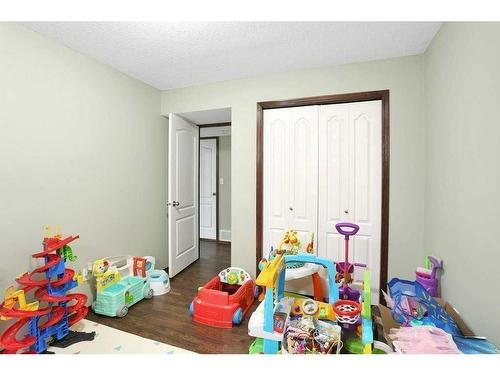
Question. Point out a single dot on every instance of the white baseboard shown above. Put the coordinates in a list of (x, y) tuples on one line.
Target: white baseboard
[(225, 235)]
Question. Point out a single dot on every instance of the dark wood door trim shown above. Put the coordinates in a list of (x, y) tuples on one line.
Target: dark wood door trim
[(382, 95), (218, 124)]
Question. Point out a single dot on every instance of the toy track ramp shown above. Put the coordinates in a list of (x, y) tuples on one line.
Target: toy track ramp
[(54, 245), (57, 315), (79, 315), (79, 309), (9, 341)]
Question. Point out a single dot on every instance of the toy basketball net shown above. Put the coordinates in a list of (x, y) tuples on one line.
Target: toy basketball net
[(347, 312)]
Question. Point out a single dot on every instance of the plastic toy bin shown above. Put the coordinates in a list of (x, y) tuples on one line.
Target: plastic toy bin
[(126, 292)]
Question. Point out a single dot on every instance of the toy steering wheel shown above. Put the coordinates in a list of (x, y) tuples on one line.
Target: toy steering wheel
[(234, 276), (310, 307)]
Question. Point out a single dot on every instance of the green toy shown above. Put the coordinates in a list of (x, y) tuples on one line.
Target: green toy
[(354, 345), (67, 253), (257, 347)]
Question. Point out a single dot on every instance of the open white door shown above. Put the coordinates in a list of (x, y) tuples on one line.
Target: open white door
[(182, 194), (208, 188)]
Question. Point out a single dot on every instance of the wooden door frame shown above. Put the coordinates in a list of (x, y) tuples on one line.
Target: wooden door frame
[(215, 125), (216, 188), (382, 95)]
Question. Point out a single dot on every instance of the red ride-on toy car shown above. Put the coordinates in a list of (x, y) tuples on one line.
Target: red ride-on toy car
[(225, 299)]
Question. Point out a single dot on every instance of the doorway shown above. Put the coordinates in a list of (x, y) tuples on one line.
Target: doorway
[(199, 201), (215, 182), (209, 176)]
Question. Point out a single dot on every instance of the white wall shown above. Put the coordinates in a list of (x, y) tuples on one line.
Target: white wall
[(404, 78), (82, 146), (462, 79)]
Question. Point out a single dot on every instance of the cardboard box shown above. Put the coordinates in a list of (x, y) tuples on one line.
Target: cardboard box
[(388, 322)]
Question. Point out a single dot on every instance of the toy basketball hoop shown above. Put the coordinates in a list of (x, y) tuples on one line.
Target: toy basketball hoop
[(347, 312)]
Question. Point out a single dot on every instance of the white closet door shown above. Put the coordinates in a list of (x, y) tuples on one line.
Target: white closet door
[(350, 183), (303, 171), (290, 173), (333, 178), (276, 182)]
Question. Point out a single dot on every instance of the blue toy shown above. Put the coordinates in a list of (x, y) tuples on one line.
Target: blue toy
[(116, 294), (272, 277), (474, 345), (413, 302)]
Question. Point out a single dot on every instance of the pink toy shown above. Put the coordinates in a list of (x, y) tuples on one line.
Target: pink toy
[(345, 269), (422, 340)]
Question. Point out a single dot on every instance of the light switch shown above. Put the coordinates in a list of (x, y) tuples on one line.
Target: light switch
[(221, 181)]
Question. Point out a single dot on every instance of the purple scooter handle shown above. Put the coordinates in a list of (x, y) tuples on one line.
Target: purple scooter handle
[(347, 233), (436, 264)]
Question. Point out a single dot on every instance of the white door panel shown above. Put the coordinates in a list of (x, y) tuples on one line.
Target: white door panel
[(350, 183), (333, 178), (208, 188), (366, 177), (290, 174), (333, 165), (334, 248), (303, 170), (182, 194), (276, 186)]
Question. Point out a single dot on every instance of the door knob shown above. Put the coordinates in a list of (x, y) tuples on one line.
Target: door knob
[(175, 203), (214, 194), (291, 208), (346, 211)]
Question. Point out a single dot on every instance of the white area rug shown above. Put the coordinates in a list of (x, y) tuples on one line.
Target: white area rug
[(113, 341)]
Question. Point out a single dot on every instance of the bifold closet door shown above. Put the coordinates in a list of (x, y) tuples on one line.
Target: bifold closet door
[(350, 183), (290, 173)]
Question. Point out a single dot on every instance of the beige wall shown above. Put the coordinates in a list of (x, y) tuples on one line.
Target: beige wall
[(462, 78), (225, 189), (82, 146), (403, 76)]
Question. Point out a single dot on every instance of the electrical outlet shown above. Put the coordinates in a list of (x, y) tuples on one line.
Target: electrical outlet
[(221, 181)]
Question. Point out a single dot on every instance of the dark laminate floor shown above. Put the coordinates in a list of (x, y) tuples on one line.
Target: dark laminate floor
[(166, 318)]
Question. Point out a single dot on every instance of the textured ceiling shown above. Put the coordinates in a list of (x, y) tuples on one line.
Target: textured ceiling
[(177, 54)]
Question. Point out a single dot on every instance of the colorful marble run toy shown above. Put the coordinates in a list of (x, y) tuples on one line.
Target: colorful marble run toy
[(53, 321)]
